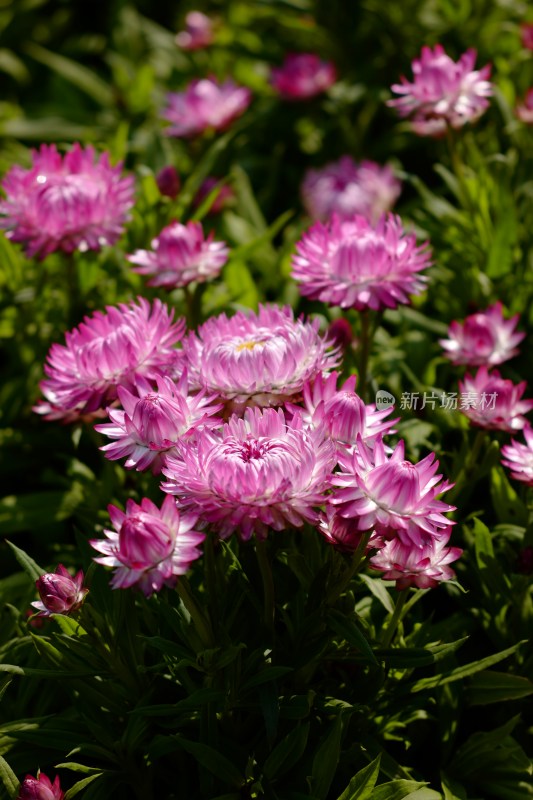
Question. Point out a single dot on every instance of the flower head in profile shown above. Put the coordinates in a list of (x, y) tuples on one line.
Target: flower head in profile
[(198, 32), (149, 546), (444, 93), (302, 76), (72, 202), (343, 534), (346, 188), (524, 110), (105, 351), (40, 788), (410, 565), (253, 474), (492, 402), (205, 104), (60, 593), (483, 338), (180, 255), (518, 457), (354, 264)]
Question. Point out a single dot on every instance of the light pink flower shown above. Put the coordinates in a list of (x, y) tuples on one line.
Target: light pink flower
[(224, 197), (198, 32), (71, 202), (409, 565), (526, 32), (524, 111), (343, 533), (493, 402), (60, 593), (346, 188), (390, 495), (259, 359), (255, 473), (518, 457), (443, 93), (40, 788), (151, 423), (149, 547), (205, 104), (302, 76), (353, 264), (168, 181), (105, 351), (483, 338), (181, 255)]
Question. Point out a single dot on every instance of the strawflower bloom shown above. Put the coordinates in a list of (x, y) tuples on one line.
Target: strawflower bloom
[(151, 422), (60, 593), (168, 181), (518, 458), (354, 264), (180, 255), (259, 359), (524, 111), (492, 402), (483, 338), (253, 474), (198, 32), (40, 788), (205, 104), (105, 351), (302, 76), (444, 93), (149, 547), (343, 534), (408, 565), (72, 202), (347, 188)]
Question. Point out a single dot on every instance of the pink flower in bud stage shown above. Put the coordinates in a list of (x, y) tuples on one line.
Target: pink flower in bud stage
[(353, 264), (152, 422), (518, 457), (524, 110), (40, 788), (253, 474), (60, 593), (526, 33), (483, 338), (224, 197), (410, 565), (340, 333), (205, 104), (181, 255), (343, 533), (198, 32), (105, 351), (149, 547), (302, 76), (168, 182), (390, 495), (71, 202), (346, 188), (444, 93), (492, 402)]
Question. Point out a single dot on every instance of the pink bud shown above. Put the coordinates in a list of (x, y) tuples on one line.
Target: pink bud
[(168, 182), (60, 593), (40, 788)]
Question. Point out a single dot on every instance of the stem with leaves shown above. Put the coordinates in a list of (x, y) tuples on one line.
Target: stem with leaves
[(396, 616)]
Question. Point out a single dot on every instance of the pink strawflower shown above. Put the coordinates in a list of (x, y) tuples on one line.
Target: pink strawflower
[(526, 32), (346, 188), (255, 473), (149, 547), (40, 788), (181, 255), (60, 593), (493, 402), (224, 197), (168, 181), (518, 457), (71, 202), (343, 533), (483, 338), (409, 565), (205, 104), (444, 93), (105, 351), (302, 76), (390, 495), (259, 359), (354, 264), (524, 111), (152, 422), (198, 32)]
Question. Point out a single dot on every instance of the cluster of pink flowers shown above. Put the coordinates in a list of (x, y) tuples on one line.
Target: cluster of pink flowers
[(302, 76), (205, 104)]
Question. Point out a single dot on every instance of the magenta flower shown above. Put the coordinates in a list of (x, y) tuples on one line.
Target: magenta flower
[(353, 264), (390, 495), (68, 203), (302, 76), (205, 104), (255, 473), (198, 32), (60, 593), (444, 93), (40, 788), (524, 111), (492, 402), (150, 547), (346, 188), (168, 181), (483, 338), (343, 533), (108, 350), (257, 359), (409, 565), (153, 422), (224, 197), (526, 33), (181, 255), (518, 457)]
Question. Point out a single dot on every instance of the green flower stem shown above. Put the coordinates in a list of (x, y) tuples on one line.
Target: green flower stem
[(365, 344), (344, 581), (74, 305), (193, 304), (201, 623), (265, 569), (468, 469), (458, 170), (396, 616)]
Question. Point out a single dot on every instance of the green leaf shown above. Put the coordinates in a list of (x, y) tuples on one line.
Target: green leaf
[(350, 631), (28, 564), (193, 702), (362, 784), (9, 779), (201, 171), (265, 676), (495, 687), (452, 790), (212, 760), (399, 790), (506, 503), (378, 589), (75, 767), (30, 511), (81, 77), (326, 760), (288, 752), (412, 657), (80, 785), (240, 283), (500, 253)]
